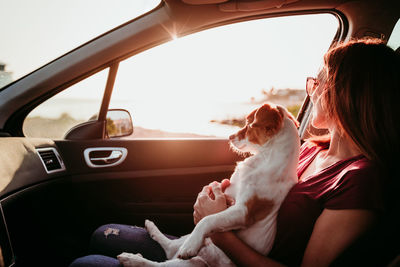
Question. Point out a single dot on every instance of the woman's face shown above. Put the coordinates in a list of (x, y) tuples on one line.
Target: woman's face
[(320, 118)]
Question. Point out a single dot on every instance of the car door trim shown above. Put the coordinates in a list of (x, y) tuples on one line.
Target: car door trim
[(156, 173)]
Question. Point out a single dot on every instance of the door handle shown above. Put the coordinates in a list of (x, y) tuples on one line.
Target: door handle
[(114, 156)]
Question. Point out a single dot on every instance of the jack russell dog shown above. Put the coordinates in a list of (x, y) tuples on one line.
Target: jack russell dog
[(258, 186)]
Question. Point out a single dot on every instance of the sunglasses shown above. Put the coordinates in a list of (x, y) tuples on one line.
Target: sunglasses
[(311, 85)]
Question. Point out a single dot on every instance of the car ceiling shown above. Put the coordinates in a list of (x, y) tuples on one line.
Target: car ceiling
[(366, 17)]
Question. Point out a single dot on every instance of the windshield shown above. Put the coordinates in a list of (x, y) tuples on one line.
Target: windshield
[(34, 33)]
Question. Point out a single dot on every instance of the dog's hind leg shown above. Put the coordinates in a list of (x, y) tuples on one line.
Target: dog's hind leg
[(170, 246), (133, 260)]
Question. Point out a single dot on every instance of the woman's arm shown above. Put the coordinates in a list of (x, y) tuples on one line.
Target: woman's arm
[(212, 200), (333, 232), (239, 252)]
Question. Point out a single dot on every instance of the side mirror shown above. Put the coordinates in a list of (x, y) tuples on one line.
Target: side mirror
[(119, 123)]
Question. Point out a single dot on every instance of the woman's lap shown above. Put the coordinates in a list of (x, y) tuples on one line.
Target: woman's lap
[(110, 240)]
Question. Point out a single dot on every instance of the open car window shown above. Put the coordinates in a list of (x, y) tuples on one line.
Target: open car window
[(203, 84), (75, 105)]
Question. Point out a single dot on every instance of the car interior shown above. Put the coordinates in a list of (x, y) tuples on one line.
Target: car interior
[(58, 191)]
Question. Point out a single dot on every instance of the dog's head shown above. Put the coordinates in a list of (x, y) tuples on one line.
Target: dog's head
[(262, 124)]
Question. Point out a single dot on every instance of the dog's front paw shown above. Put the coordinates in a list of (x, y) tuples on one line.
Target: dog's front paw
[(190, 247), (151, 228), (148, 224), (130, 260)]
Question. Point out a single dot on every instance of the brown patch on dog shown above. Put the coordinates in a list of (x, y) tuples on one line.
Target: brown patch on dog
[(258, 209), (263, 123), (267, 122), (250, 117), (270, 118)]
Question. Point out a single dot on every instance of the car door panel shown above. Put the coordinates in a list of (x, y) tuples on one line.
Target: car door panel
[(158, 180)]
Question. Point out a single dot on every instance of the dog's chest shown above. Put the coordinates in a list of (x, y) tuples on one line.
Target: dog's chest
[(243, 177), (257, 176)]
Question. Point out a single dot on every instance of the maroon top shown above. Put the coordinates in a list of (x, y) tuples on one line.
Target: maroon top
[(353, 183)]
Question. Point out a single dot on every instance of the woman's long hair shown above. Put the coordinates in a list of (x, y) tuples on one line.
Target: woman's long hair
[(362, 95)]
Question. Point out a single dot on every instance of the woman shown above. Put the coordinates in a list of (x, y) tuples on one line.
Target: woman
[(342, 176)]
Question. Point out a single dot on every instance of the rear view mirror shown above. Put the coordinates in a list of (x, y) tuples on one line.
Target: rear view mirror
[(119, 123)]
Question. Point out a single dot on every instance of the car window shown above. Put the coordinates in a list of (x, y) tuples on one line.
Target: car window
[(76, 104), (35, 32), (203, 85), (394, 40)]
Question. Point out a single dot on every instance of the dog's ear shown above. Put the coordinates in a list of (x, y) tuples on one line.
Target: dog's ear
[(250, 117), (284, 112), (270, 118)]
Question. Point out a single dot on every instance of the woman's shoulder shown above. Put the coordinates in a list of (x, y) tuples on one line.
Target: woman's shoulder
[(358, 185), (361, 168)]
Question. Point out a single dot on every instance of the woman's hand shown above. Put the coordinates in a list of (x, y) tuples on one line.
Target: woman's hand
[(211, 200)]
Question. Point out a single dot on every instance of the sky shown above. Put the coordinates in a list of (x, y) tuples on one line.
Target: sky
[(32, 33), (253, 55)]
